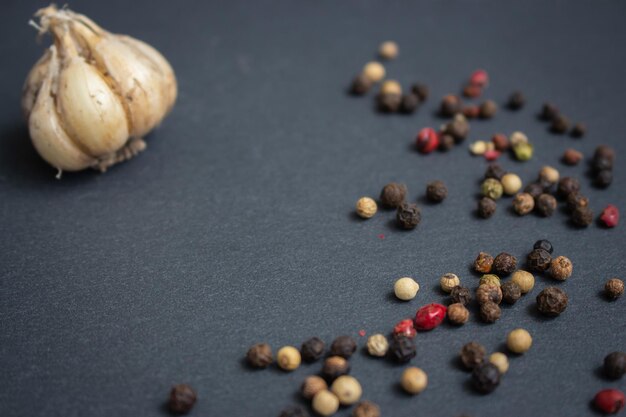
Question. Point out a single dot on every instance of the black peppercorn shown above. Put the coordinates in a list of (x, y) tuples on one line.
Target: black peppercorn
[(549, 112), (312, 349), (420, 90), (182, 399), (361, 84), (604, 152), (544, 244), (489, 312), (488, 109), (389, 102), (409, 103), (294, 411), (393, 194), (560, 124), (615, 365), (457, 128), (552, 301), (603, 178), (539, 260), (534, 189), (511, 292), (343, 346), (436, 191), (334, 367), (450, 105), (486, 378), (473, 354), (516, 100), (402, 349), (546, 205), (582, 216), (408, 216), (579, 130), (494, 171), (461, 295), (601, 164), (260, 355), (568, 185), (576, 200), (446, 142), (486, 207), (504, 264)]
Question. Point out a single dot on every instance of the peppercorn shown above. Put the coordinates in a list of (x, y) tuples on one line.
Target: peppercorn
[(458, 314), (518, 138), (406, 288), (347, 389), (489, 312), (458, 128), (549, 175), (501, 361), (605, 152), (549, 112), (343, 346), (610, 216), (294, 411), (488, 293), (539, 260), (576, 200), (523, 203), (393, 194), (492, 188), (511, 292), (486, 207), (390, 87), (483, 263), (492, 154), (312, 385), (479, 78), (414, 380), (408, 216), (260, 355), (552, 301), (601, 164), (361, 84), (366, 207), (486, 378), (409, 103), (389, 102), (312, 349), (534, 189), (615, 365), (377, 345), (446, 142), (519, 341), (523, 151), (603, 178), (614, 288), (489, 279), (525, 280), (559, 124), (388, 50), (572, 157), (546, 205), (472, 91), (609, 401), (488, 109), (494, 171), (504, 264), (366, 409), (511, 183), (325, 403), (436, 191), (427, 140), (450, 105), (334, 367), (288, 358), (374, 71), (568, 185), (402, 349), (561, 268), (182, 399), (478, 148), (516, 100), (448, 281), (461, 295), (420, 90), (429, 316), (582, 216), (543, 244), (473, 354), (471, 112), (404, 328)]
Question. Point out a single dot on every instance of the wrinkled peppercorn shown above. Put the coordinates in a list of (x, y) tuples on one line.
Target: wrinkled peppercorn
[(552, 301), (544, 244), (389, 102), (488, 109), (393, 194), (483, 263), (582, 216), (560, 124), (549, 111), (489, 312), (504, 264), (260, 355), (603, 178), (402, 349), (546, 205), (534, 189), (490, 279), (457, 313), (486, 207), (568, 185), (473, 354), (615, 365), (523, 203), (539, 260), (182, 399), (404, 328), (343, 346), (436, 191), (561, 268), (572, 157), (450, 105), (494, 171), (446, 142), (366, 409), (576, 200), (578, 130), (461, 295), (488, 293), (511, 292), (408, 216), (420, 90), (294, 411), (409, 103), (312, 349), (486, 378), (334, 367), (614, 288), (492, 188), (377, 345)]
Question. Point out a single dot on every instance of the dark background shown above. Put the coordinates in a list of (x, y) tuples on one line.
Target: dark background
[(236, 225)]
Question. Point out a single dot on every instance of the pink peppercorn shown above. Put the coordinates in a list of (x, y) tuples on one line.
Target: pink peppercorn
[(492, 155), (609, 401), (427, 140), (405, 328), (430, 316), (610, 216), (479, 78)]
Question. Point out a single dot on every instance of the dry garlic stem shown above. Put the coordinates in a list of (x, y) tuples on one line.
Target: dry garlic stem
[(93, 94)]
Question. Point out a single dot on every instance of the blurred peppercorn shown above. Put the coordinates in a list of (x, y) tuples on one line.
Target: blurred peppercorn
[(546, 205), (488, 109), (409, 103), (494, 171), (489, 312), (560, 124), (361, 85), (568, 185), (393, 194), (543, 244), (486, 207), (473, 354), (436, 191), (582, 216), (578, 130), (615, 365), (182, 399), (572, 157), (389, 102), (450, 105), (312, 349), (549, 112), (486, 378), (516, 100), (420, 90)]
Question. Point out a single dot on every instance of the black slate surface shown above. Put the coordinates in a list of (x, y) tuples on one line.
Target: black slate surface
[(236, 225)]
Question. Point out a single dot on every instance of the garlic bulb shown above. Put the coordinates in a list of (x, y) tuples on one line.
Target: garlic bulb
[(93, 95)]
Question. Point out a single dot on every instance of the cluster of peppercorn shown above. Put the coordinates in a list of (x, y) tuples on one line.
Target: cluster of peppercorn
[(517, 143), (611, 401), (559, 123)]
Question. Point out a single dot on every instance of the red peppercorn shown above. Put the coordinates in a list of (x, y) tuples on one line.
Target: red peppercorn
[(405, 328), (471, 112), (609, 401), (479, 78), (492, 155), (427, 140), (472, 90), (430, 316), (610, 216)]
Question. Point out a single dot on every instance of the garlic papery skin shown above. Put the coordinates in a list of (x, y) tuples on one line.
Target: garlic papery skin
[(93, 95)]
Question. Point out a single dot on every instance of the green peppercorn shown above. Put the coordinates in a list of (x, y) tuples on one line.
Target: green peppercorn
[(492, 188), (523, 151), (491, 279)]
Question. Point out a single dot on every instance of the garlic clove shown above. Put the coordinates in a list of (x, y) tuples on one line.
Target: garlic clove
[(33, 83)]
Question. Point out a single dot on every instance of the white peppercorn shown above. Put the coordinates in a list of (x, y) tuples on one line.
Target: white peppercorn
[(366, 207), (500, 360), (414, 380), (406, 288), (519, 341), (325, 403), (388, 50), (347, 389), (377, 345), (374, 71), (511, 183)]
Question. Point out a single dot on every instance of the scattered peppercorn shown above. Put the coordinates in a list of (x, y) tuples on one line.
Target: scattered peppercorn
[(473, 354), (488, 293), (610, 216), (494, 171), (260, 355), (334, 367), (511, 292), (523, 203), (461, 295), (391, 87), (539, 260), (504, 264), (492, 188), (471, 112), (517, 138), (486, 378), (561, 268), (614, 288), (500, 141), (615, 365), (404, 328), (524, 279), (601, 164), (511, 183), (420, 90), (312, 385), (402, 349), (312, 349), (534, 189), (366, 409), (483, 263), (490, 279), (552, 301), (576, 200), (501, 361), (343, 346), (546, 205), (393, 195), (366, 207), (374, 71), (436, 191), (408, 216), (609, 401), (582, 216), (388, 50), (448, 281), (377, 345), (603, 178), (294, 411), (450, 105), (389, 102), (479, 78), (492, 154), (488, 109), (414, 380), (182, 399), (604, 152), (427, 140), (429, 316), (446, 142), (519, 341), (560, 124), (548, 111), (325, 403), (347, 389), (490, 312), (486, 207), (409, 103), (568, 185), (516, 100), (579, 130), (572, 157), (361, 85), (549, 175), (523, 151), (458, 314), (406, 288), (472, 91), (458, 128), (543, 244), (478, 148), (288, 358)]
